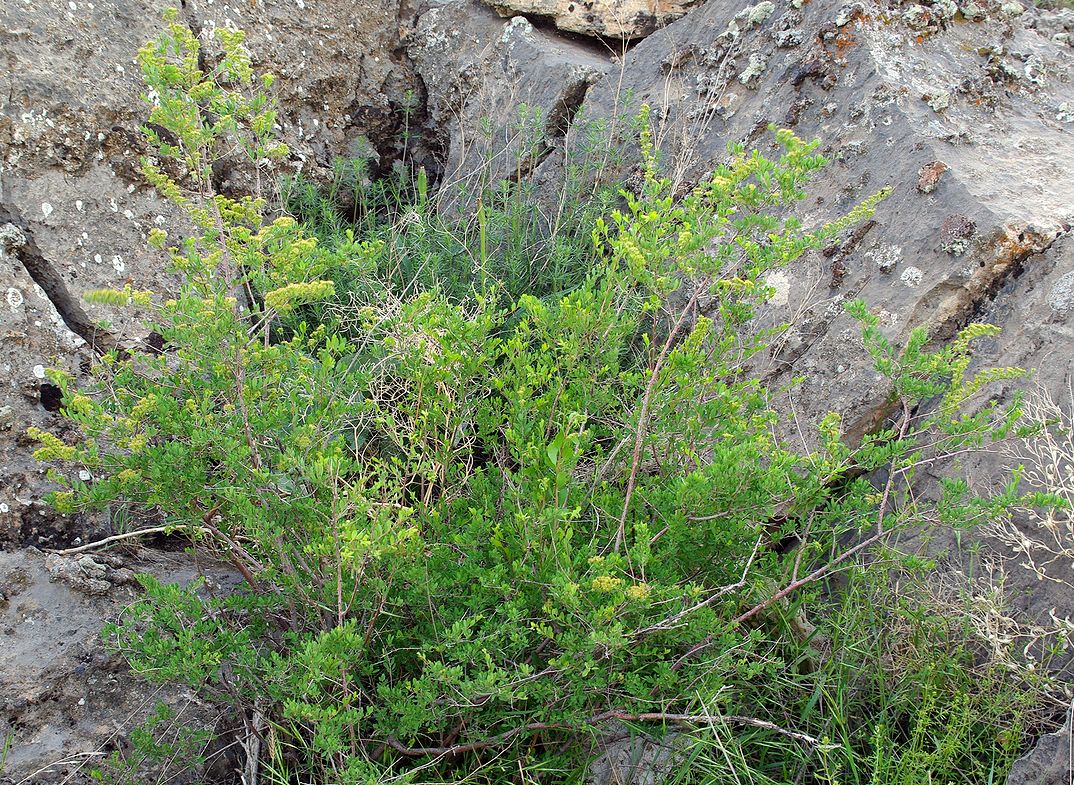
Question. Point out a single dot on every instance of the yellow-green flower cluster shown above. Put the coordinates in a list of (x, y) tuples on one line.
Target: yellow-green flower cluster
[(120, 297), (51, 449), (286, 298), (606, 584)]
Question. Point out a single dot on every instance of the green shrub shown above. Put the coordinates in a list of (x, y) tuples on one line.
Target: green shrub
[(481, 525), (513, 243)]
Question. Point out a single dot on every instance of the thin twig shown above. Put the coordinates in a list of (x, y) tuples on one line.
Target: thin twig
[(643, 416), (723, 592), (125, 536), (255, 726)]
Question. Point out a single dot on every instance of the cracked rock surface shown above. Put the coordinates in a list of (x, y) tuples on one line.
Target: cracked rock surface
[(74, 209), (64, 699), (502, 93)]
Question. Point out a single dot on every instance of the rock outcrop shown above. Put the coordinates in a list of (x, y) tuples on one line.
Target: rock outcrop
[(616, 20), (74, 215), (64, 700), (1049, 763), (960, 114), (502, 93)]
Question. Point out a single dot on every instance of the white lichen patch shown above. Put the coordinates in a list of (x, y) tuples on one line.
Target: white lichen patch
[(848, 12), (780, 283), (917, 17), (938, 100), (834, 308), (39, 371), (946, 9), (757, 14), (46, 209), (14, 298), (754, 68), (1034, 70), (886, 257), (117, 264), (887, 318), (518, 26), (749, 17), (912, 276), (11, 239), (956, 247)]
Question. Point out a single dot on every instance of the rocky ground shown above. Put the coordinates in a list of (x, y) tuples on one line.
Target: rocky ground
[(965, 110)]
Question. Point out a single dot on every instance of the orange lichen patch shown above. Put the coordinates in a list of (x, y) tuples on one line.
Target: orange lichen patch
[(1006, 252), (845, 41), (929, 176)]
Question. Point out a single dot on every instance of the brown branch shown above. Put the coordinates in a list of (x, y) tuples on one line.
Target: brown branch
[(723, 592), (459, 749), (236, 553), (597, 719), (643, 415), (820, 572)]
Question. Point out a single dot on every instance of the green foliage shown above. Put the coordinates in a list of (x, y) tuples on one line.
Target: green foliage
[(895, 691), (494, 485), (511, 244), (163, 744)]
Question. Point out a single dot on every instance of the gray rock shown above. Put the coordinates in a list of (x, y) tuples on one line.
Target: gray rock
[(74, 216), (858, 87), (982, 236), (503, 94), (638, 760), (74, 209), (63, 697), (1049, 763)]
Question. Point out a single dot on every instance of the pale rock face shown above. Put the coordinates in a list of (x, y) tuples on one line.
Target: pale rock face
[(74, 208), (504, 93), (614, 19)]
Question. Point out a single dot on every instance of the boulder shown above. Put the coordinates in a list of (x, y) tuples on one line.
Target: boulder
[(959, 116), (616, 20), (502, 94), (64, 700), (1049, 763)]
